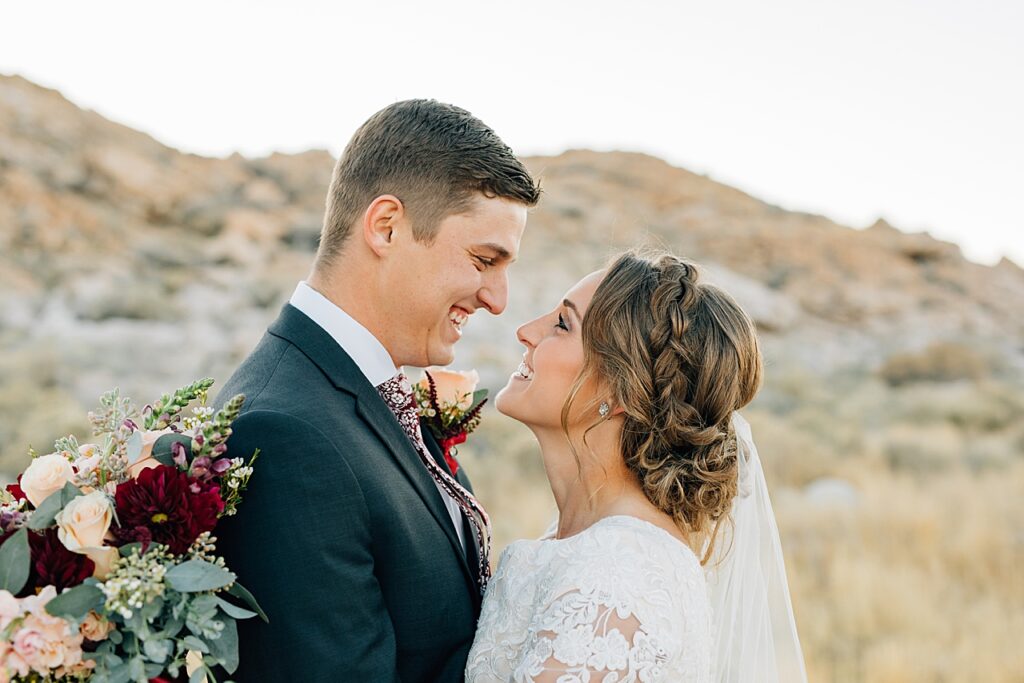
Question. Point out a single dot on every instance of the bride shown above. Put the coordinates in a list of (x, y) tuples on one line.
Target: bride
[(664, 564)]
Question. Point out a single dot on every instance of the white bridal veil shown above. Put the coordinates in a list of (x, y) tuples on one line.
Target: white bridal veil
[(755, 638)]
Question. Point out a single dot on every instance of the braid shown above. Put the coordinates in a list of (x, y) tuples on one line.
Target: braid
[(680, 357)]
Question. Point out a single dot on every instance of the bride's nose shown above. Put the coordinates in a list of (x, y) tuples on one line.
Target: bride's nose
[(528, 333)]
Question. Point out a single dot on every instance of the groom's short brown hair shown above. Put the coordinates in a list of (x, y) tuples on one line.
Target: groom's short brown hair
[(433, 156)]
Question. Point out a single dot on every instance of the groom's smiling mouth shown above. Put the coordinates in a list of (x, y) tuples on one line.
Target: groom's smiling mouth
[(458, 317)]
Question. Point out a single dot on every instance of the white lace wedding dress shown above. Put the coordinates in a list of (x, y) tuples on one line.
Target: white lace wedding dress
[(621, 601)]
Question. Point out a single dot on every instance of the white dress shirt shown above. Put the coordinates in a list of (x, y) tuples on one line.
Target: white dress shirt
[(369, 355)]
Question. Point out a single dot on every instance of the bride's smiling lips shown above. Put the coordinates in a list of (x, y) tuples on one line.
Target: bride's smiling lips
[(524, 372)]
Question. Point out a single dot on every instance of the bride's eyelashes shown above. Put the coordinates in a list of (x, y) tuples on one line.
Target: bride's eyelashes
[(561, 323)]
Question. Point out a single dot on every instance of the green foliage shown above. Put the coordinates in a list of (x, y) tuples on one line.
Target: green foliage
[(161, 414), (15, 562), (47, 512), (75, 603), (194, 576)]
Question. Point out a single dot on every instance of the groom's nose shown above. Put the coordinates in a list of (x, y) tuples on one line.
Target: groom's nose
[(494, 294)]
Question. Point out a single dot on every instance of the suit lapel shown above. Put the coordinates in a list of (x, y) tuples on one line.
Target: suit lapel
[(338, 366)]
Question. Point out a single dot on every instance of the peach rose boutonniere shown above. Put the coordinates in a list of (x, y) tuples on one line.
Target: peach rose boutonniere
[(450, 405)]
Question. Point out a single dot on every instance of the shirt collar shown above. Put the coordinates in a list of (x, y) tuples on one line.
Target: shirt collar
[(358, 342)]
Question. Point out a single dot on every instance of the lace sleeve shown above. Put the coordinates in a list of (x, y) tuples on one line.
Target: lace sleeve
[(589, 636)]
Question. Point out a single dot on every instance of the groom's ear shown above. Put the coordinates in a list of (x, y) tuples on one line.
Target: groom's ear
[(380, 220)]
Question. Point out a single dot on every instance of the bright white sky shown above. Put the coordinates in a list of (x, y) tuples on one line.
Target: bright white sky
[(911, 110)]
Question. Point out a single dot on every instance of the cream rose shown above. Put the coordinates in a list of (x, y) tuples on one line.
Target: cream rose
[(146, 460), (193, 662), (46, 475), (84, 522), (453, 386), (95, 628)]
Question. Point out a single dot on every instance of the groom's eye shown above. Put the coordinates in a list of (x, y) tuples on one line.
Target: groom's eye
[(485, 262)]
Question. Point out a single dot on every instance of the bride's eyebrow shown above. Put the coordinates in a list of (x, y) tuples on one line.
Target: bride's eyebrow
[(570, 305)]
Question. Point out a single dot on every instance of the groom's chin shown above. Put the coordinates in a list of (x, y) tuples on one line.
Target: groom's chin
[(441, 358)]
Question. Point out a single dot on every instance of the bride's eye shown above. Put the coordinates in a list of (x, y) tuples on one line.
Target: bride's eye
[(561, 323)]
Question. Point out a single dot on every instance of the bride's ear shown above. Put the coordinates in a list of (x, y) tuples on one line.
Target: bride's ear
[(380, 220)]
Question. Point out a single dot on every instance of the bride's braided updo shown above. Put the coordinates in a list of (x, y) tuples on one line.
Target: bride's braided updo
[(678, 356)]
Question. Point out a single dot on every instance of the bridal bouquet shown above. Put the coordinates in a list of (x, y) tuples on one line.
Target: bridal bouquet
[(450, 406), (108, 564)]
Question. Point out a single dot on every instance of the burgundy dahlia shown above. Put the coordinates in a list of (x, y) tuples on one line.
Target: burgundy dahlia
[(164, 505), (55, 565), (16, 491)]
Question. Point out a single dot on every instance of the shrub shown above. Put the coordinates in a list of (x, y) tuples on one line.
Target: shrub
[(940, 362)]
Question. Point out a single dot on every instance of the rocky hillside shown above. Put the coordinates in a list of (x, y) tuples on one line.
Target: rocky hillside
[(125, 261)]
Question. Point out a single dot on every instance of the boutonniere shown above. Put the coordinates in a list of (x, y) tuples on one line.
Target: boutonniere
[(450, 404)]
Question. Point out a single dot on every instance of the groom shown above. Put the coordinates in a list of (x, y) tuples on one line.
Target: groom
[(352, 536)]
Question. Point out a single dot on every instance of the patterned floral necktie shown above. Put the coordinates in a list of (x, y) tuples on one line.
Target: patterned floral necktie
[(397, 394)]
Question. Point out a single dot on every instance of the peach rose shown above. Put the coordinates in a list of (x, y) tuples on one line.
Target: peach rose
[(95, 628), (453, 387), (103, 559), (27, 642), (84, 522), (146, 460), (46, 475)]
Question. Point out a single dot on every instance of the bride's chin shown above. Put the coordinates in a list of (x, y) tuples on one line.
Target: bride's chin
[(506, 404)]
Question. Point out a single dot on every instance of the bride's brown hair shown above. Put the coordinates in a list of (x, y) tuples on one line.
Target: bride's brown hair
[(678, 356)]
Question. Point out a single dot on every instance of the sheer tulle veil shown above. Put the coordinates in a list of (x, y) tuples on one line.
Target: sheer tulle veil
[(755, 637)]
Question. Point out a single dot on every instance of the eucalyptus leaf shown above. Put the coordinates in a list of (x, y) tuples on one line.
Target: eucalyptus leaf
[(15, 562), (479, 396), (162, 452), (46, 514), (75, 603), (133, 449), (198, 676), (137, 669), (128, 548), (234, 611), (240, 592), (225, 648), (197, 575), (120, 673), (157, 650), (171, 628), (193, 643)]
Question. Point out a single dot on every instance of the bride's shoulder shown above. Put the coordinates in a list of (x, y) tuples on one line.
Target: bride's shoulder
[(639, 540), (618, 551)]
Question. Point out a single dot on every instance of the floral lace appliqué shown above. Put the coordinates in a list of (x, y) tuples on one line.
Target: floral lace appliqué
[(622, 602)]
